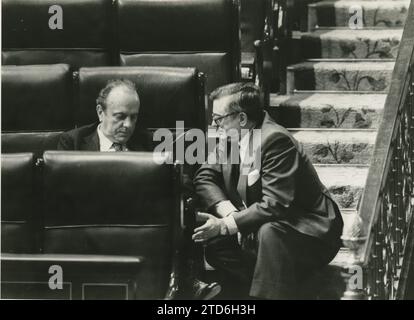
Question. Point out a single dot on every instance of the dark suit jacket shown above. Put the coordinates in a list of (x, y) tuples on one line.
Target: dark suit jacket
[(86, 139), (288, 191)]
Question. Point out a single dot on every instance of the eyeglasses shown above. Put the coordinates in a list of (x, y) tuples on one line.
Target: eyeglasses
[(217, 120)]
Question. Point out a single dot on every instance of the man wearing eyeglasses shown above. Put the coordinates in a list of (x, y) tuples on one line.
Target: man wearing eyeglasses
[(289, 224)]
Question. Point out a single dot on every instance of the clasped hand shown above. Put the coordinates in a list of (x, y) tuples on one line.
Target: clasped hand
[(210, 229)]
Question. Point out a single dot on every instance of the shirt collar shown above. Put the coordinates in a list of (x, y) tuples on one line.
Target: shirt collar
[(244, 142), (104, 143)]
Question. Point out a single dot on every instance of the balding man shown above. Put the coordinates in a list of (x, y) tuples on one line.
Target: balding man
[(117, 107)]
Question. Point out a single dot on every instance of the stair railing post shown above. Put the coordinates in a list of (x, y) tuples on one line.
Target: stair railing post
[(353, 272)]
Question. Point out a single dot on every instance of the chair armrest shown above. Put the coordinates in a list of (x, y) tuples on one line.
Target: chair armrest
[(69, 276), (18, 261)]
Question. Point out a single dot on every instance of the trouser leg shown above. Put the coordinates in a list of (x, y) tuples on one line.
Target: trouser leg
[(233, 265), (273, 275), (284, 259)]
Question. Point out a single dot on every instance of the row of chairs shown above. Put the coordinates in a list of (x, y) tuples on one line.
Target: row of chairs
[(48, 98), (111, 222), (76, 204), (181, 33)]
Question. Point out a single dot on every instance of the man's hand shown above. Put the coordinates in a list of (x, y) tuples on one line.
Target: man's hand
[(212, 228)]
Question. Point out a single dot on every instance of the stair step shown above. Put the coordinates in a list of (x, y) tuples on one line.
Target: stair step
[(336, 146), (344, 182), (374, 13), (348, 43), (328, 283), (327, 110), (341, 75)]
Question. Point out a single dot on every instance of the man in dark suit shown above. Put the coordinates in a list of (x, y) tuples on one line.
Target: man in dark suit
[(117, 107), (288, 222)]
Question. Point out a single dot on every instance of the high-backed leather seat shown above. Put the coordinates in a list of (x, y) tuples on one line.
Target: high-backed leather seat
[(36, 97), (166, 94), (182, 33), (35, 142), (18, 204), (111, 204), (110, 221), (84, 40)]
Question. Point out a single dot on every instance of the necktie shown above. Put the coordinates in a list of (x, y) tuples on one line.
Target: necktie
[(117, 146), (235, 175)]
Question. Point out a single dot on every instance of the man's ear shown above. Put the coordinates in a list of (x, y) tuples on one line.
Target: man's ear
[(243, 119), (99, 111)]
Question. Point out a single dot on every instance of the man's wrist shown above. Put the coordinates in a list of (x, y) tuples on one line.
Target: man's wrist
[(231, 225), (225, 208), (224, 230)]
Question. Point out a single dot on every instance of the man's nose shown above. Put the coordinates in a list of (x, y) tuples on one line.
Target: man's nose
[(128, 122)]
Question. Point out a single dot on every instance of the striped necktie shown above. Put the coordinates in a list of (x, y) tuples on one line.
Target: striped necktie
[(117, 146)]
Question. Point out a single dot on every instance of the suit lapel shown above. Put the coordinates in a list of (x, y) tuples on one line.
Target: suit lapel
[(91, 142)]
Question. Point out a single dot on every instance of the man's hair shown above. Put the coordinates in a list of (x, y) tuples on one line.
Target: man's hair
[(247, 98), (112, 84)]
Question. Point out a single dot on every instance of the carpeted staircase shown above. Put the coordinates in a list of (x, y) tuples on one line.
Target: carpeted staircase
[(335, 99)]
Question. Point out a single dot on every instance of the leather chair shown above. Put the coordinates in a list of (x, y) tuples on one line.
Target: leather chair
[(112, 204), (84, 40), (111, 222), (35, 142), (36, 98), (182, 33), (18, 204), (166, 94)]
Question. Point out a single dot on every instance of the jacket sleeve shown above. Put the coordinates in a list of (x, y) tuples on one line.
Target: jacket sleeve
[(280, 162), (209, 184)]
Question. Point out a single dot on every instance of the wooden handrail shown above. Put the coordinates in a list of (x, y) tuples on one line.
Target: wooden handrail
[(386, 210)]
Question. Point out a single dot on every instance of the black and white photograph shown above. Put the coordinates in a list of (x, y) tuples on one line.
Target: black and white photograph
[(225, 151)]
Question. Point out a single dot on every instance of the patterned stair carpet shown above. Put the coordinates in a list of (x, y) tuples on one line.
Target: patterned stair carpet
[(335, 98)]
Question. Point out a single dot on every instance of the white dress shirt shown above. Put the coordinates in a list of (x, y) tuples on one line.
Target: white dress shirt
[(105, 144)]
